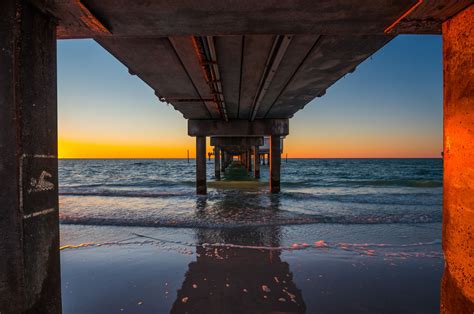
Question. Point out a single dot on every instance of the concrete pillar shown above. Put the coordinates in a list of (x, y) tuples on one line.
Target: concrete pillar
[(249, 160), (223, 160), (201, 186), (275, 164), (29, 229), (457, 295), (217, 163), (228, 160), (256, 162)]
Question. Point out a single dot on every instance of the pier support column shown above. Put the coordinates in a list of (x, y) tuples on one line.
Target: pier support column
[(275, 163), (201, 185), (457, 294), (256, 162), (217, 163), (29, 228), (228, 160), (223, 161), (249, 160)]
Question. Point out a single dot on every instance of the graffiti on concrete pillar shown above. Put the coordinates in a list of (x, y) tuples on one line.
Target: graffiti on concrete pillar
[(41, 184), (38, 190)]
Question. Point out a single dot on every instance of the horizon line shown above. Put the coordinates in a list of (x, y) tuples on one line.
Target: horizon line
[(281, 158)]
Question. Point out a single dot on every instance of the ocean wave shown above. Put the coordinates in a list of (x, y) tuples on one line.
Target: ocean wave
[(415, 183), (119, 193), (376, 198), (425, 199), (137, 184), (385, 250), (412, 183), (209, 223)]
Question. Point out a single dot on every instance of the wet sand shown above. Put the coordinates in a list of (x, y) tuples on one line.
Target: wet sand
[(163, 270)]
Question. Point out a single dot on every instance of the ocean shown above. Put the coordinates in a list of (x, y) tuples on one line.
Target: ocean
[(367, 226)]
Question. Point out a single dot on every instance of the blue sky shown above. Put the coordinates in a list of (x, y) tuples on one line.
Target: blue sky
[(391, 106)]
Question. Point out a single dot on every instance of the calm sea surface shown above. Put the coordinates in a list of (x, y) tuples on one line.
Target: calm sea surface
[(379, 201), (136, 238), (160, 193)]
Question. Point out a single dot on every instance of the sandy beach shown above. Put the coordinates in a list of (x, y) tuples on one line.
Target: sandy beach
[(159, 270)]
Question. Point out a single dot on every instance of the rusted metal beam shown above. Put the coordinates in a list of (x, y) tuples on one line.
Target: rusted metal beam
[(206, 53)]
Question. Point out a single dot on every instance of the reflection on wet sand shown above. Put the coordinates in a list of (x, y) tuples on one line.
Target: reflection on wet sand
[(238, 280), (246, 279)]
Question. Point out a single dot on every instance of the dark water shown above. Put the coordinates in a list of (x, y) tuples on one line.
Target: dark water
[(344, 236)]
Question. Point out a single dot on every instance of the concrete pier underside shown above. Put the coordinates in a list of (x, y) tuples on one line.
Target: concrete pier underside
[(234, 69)]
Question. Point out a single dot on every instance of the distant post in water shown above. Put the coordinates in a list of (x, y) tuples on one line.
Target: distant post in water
[(275, 163), (256, 162), (188, 156), (201, 185)]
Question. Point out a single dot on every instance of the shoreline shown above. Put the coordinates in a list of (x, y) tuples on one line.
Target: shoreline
[(161, 276)]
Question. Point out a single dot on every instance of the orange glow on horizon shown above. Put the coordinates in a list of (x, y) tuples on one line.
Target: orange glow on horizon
[(89, 149), (361, 147), (295, 148)]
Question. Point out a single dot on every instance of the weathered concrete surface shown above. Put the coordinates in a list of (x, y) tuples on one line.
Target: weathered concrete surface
[(458, 209), (275, 163), (142, 18), (157, 62), (310, 65), (236, 141), (29, 228), (201, 184), (329, 59), (429, 16), (324, 41), (238, 128)]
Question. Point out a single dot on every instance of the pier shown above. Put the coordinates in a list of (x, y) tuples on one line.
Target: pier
[(237, 72)]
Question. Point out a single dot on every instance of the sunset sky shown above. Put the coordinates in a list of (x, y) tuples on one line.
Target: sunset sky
[(391, 106)]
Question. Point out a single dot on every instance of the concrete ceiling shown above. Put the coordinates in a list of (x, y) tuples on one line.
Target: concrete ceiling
[(246, 60)]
